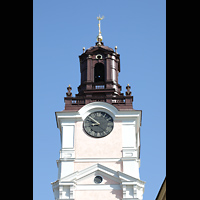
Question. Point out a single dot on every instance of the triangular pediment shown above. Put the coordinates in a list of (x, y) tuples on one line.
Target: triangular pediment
[(109, 174), (90, 179), (113, 183)]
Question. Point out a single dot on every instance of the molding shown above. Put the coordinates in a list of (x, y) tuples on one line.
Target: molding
[(55, 184), (129, 152), (65, 199), (129, 148), (131, 199), (137, 183), (127, 178), (68, 118), (100, 168), (94, 106), (130, 159), (65, 160), (135, 114), (67, 153), (98, 187), (58, 183), (132, 152), (82, 160)]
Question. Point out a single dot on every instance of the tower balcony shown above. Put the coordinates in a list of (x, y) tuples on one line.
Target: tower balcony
[(100, 87), (120, 102)]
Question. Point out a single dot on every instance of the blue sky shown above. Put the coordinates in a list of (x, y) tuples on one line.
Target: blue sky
[(61, 28)]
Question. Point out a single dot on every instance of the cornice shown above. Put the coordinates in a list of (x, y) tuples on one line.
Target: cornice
[(74, 116)]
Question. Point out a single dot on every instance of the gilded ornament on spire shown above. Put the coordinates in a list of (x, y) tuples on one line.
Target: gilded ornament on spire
[(99, 37), (100, 18)]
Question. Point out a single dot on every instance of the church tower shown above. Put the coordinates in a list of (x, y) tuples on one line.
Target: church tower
[(100, 133)]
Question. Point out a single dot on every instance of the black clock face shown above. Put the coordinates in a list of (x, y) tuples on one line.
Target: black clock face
[(98, 124)]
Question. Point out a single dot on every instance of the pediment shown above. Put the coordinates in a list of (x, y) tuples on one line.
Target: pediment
[(87, 175), (106, 179), (115, 184)]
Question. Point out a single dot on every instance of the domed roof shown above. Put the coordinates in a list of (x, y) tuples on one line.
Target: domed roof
[(97, 47)]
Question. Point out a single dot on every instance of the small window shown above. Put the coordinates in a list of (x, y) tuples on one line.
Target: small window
[(98, 179), (99, 56)]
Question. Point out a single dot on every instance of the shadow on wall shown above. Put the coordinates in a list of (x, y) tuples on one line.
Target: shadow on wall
[(118, 193)]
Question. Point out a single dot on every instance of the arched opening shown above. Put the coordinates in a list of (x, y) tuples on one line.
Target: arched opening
[(99, 75)]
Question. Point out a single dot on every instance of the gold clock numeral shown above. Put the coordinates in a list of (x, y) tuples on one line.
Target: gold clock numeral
[(108, 129), (92, 115), (104, 133), (92, 133), (87, 124), (108, 119), (88, 129), (98, 114), (95, 134)]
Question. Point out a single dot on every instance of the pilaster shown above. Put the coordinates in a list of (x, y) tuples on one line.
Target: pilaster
[(65, 163)]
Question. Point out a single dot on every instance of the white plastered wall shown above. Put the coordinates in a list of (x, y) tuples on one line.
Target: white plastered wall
[(128, 123)]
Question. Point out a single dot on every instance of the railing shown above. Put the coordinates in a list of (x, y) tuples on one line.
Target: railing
[(95, 100), (99, 86), (78, 101), (118, 100)]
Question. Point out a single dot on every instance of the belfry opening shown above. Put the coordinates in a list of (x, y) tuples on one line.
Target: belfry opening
[(99, 74)]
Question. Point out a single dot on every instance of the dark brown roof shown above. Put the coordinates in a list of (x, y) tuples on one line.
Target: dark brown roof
[(102, 47)]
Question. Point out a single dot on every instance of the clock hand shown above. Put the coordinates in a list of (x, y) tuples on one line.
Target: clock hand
[(102, 128), (95, 124), (94, 120)]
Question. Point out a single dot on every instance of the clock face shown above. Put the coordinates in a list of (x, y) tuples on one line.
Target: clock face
[(98, 124)]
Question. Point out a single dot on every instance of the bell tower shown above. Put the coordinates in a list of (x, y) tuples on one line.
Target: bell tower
[(100, 133), (99, 67)]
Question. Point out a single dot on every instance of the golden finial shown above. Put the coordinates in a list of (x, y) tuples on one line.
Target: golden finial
[(99, 37), (100, 18), (115, 49)]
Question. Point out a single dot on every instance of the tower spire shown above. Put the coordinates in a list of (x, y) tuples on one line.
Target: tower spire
[(99, 37)]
